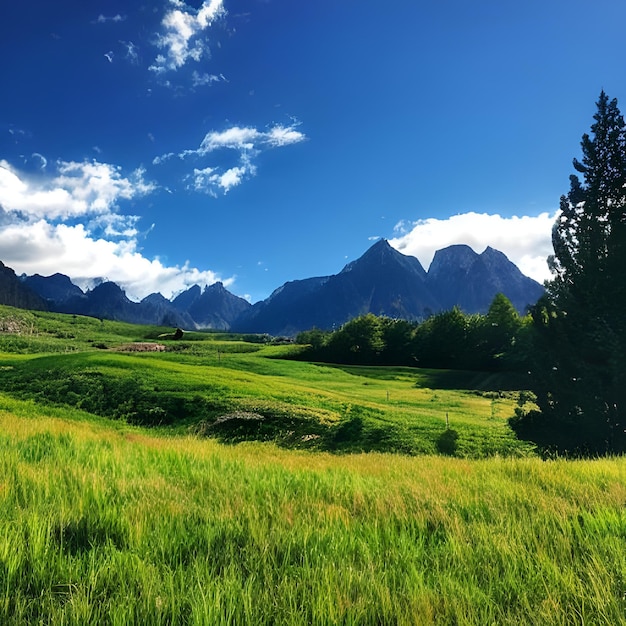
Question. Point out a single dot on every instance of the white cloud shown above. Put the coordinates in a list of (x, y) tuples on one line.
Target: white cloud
[(161, 159), (43, 248), (233, 176), (247, 142), (43, 162), (183, 29), (209, 11), (525, 240), (36, 238), (282, 136), (77, 189), (247, 138), (132, 53), (114, 225), (207, 179), (202, 80), (204, 180), (236, 138)]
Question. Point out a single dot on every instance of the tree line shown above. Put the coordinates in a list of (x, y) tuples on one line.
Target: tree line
[(450, 339)]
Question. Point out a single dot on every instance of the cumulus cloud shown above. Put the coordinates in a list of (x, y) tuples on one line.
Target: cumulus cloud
[(44, 248), (525, 240), (182, 38), (282, 136), (245, 142), (208, 179), (39, 232), (78, 188)]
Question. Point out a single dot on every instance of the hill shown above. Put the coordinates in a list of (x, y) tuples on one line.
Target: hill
[(236, 390), (14, 293)]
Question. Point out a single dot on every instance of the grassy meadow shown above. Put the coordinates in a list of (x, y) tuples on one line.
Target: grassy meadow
[(236, 390), (216, 483)]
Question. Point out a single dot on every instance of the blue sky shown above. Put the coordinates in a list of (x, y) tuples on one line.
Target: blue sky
[(162, 144)]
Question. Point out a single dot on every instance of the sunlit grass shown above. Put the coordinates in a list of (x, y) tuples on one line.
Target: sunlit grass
[(103, 522), (102, 526), (301, 401)]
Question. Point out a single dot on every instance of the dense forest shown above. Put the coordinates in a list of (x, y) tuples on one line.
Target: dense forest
[(572, 343)]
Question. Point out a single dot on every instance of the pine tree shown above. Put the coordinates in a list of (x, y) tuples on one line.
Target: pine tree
[(578, 364)]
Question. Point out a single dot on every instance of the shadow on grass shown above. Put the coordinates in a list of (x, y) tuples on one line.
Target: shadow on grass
[(441, 379), (447, 442), (351, 435)]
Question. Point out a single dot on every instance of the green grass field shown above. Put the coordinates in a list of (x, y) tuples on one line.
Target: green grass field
[(268, 491), (235, 390)]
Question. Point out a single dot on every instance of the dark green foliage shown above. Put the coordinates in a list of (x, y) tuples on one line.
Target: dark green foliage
[(397, 335), (360, 340), (357, 433), (451, 340), (502, 325), (447, 340), (447, 442), (315, 338), (577, 350), (275, 425), (127, 398)]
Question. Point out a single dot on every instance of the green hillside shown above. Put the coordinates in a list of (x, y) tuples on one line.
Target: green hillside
[(217, 483), (235, 389)]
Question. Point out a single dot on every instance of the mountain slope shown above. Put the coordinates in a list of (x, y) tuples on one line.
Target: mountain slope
[(14, 293), (383, 281), (55, 288), (386, 282), (458, 276), (216, 308)]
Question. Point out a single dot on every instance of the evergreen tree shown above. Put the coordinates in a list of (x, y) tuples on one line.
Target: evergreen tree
[(498, 333), (579, 351)]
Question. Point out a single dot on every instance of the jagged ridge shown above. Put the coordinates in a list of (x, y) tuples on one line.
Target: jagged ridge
[(382, 281)]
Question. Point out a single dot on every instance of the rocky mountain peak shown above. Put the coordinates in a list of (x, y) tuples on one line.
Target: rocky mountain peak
[(381, 257), (457, 258)]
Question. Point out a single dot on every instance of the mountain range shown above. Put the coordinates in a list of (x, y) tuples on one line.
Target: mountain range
[(386, 282), (383, 281)]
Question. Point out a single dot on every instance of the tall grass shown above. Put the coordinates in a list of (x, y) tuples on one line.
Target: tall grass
[(300, 404), (103, 526)]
